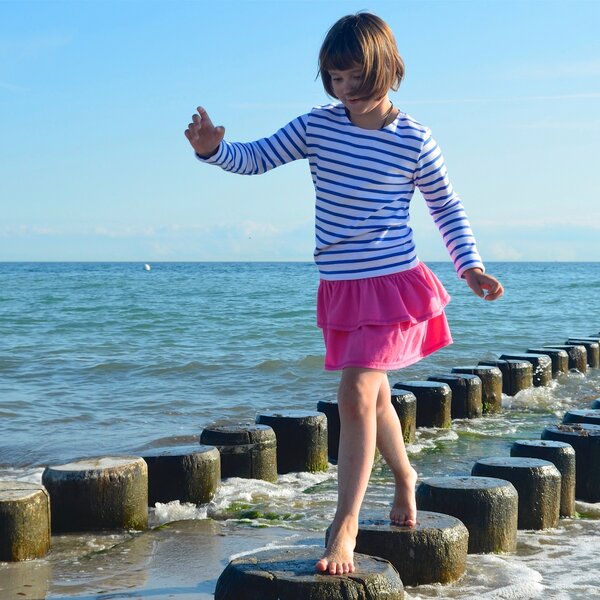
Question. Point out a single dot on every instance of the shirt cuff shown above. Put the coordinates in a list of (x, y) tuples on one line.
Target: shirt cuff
[(470, 265), (216, 158)]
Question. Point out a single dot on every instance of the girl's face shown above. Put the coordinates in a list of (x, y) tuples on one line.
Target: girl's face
[(344, 84)]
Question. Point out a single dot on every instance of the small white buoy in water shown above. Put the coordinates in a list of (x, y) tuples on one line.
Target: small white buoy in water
[(147, 267)]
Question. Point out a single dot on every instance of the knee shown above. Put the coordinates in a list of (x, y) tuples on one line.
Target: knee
[(357, 397)]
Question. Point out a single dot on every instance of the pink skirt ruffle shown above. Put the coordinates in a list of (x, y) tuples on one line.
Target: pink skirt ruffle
[(386, 322)]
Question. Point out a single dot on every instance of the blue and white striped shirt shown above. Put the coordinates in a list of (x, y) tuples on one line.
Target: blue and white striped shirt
[(364, 181)]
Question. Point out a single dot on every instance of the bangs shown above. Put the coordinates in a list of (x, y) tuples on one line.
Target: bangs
[(366, 42)]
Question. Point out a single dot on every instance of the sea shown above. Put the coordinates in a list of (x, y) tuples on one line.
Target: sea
[(103, 359)]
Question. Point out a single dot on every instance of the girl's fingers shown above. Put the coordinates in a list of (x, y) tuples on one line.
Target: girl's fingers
[(204, 117)]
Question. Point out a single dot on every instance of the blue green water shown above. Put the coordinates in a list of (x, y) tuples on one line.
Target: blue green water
[(107, 358)]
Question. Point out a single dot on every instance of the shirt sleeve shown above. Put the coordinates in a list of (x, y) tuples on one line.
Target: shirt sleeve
[(255, 158), (445, 207)]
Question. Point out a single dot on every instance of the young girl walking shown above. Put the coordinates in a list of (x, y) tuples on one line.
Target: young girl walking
[(380, 308)]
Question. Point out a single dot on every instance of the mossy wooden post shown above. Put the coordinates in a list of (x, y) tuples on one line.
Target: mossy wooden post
[(433, 402), (541, 365), (332, 411), (487, 507), (247, 450), (184, 473), (592, 348), (559, 358), (585, 439), (517, 375), (577, 355), (434, 551), (301, 439), (466, 394), (491, 386), (405, 405), (24, 521), (92, 494), (562, 456), (289, 574), (537, 483)]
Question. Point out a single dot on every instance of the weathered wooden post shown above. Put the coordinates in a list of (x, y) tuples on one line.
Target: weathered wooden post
[(562, 456), (433, 402), (331, 410), (585, 439), (559, 358), (247, 450), (24, 521), (183, 473), (289, 573), (466, 400), (491, 386), (434, 551), (405, 405), (517, 375), (487, 507), (91, 494), (301, 439), (541, 365), (537, 483)]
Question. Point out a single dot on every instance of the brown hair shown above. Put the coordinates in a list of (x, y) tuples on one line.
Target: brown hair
[(366, 41)]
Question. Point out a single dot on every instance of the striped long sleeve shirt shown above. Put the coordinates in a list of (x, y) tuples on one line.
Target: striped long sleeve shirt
[(364, 181)]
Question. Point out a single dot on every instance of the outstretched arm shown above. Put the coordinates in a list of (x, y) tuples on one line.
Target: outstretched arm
[(251, 158)]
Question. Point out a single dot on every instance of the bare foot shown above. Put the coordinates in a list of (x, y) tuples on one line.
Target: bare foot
[(404, 507), (339, 555)]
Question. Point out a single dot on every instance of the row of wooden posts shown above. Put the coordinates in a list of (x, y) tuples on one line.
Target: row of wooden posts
[(114, 492)]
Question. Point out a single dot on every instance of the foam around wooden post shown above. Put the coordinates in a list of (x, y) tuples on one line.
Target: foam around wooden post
[(289, 574), (332, 411), (537, 483), (405, 405), (485, 505), (433, 402), (434, 551), (24, 521), (301, 439), (517, 375), (559, 358), (562, 456), (541, 365), (247, 450), (94, 494), (585, 439), (183, 473), (491, 386), (466, 394)]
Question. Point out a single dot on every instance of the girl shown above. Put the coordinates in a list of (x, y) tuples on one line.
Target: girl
[(379, 307)]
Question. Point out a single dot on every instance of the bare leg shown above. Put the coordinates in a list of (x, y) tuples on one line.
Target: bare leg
[(391, 445), (357, 402)]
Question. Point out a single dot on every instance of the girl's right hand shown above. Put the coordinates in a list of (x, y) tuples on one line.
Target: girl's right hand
[(203, 135)]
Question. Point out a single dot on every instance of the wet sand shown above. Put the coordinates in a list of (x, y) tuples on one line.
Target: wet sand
[(181, 560)]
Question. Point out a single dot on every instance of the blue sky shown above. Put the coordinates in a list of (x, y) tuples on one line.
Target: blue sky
[(95, 96)]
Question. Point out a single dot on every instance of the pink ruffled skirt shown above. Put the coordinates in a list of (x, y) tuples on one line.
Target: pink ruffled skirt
[(386, 322)]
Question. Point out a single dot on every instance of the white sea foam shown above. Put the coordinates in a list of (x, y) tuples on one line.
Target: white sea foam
[(176, 511)]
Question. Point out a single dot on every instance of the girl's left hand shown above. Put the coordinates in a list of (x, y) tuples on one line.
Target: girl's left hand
[(481, 283)]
